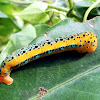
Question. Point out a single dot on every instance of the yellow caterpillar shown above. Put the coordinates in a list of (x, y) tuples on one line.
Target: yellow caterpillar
[(81, 42)]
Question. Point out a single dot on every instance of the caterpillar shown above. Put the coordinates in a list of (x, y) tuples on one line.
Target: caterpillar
[(81, 42)]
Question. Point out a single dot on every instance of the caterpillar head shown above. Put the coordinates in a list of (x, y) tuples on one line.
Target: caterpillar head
[(5, 78)]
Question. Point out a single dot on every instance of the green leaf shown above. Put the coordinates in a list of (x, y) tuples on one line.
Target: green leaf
[(35, 13), (19, 40), (40, 32), (41, 29), (66, 76), (3, 1), (7, 8), (55, 20), (7, 26), (60, 3), (82, 6)]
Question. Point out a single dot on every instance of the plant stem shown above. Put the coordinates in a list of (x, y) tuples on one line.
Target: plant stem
[(89, 9), (72, 11), (70, 3), (58, 8)]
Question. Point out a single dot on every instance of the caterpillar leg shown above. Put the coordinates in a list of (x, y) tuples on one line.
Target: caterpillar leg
[(6, 79)]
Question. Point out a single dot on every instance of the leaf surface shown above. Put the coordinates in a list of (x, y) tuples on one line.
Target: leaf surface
[(82, 6), (67, 75), (35, 13)]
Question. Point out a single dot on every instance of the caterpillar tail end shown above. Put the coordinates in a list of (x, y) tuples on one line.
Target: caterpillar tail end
[(6, 79)]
